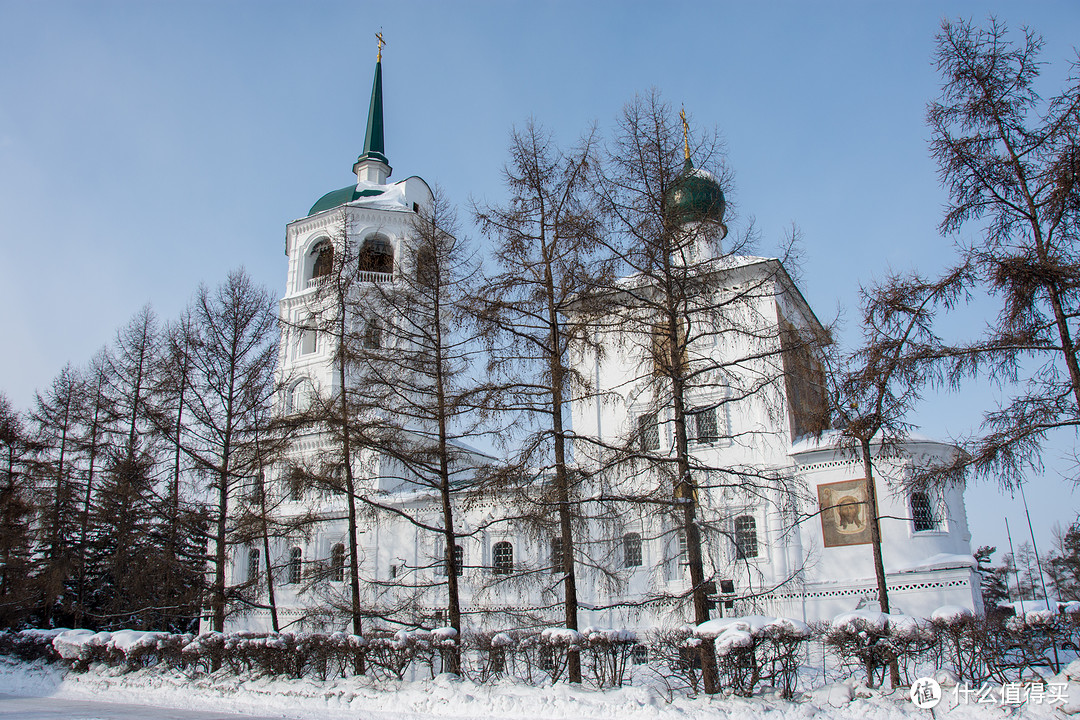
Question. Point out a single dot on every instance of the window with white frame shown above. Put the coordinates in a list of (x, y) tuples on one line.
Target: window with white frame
[(373, 334), (648, 428), (296, 559), (705, 427), (300, 397), (502, 558), (923, 517), (746, 540), (337, 563), (322, 265), (631, 550), (253, 565), (309, 337), (556, 555), (376, 256), (459, 561)]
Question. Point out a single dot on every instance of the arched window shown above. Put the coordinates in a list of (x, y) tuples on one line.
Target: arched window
[(323, 252), (253, 565), (502, 556), (300, 396), (376, 256), (631, 543), (746, 544), (922, 512), (337, 563), (426, 270), (296, 557)]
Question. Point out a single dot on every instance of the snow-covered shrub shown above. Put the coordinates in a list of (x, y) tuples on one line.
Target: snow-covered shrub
[(204, 652), (1034, 638), (780, 648), (135, 648), (914, 643), (488, 655), (862, 637), (30, 644), (676, 656), (755, 649), (961, 643), (390, 655), (82, 647), (554, 650), (606, 654)]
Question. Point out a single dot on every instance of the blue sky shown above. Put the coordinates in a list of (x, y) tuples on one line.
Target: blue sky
[(149, 146)]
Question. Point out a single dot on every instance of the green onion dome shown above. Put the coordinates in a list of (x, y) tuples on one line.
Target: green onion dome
[(696, 197)]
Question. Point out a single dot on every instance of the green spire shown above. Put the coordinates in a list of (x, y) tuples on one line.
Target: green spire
[(374, 146)]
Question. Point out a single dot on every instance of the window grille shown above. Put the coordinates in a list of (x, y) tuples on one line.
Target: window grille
[(705, 426), (253, 565), (631, 550), (922, 513), (746, 543), (337, 563), (295, 565), (648, 432), (502, 556)]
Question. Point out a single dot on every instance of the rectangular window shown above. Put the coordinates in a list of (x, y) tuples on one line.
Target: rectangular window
[(746, 542), (922, 512), (706, 430), (648, 432), (556, 556), (373, 335)]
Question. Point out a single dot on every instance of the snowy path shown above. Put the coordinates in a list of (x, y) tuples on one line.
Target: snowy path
[(36, 708)]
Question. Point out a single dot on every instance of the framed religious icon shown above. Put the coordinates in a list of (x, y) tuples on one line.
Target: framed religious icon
[(845, 517)]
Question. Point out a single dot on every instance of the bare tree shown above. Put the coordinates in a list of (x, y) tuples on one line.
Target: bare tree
[(418, 386), (232, 356), (1010, 160), (55, 418), (16, 541), (878, 384), (97, 419), (700, 325), (546, 238)]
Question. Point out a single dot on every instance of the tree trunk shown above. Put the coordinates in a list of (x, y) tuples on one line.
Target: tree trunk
[(875, 542)]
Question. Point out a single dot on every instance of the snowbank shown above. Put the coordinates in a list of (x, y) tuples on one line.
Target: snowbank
[(446, 697)]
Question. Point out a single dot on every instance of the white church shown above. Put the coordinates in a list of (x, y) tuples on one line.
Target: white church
[(801, 553)]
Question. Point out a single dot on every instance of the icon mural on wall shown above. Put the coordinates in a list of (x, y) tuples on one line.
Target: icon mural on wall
[(845, 519)]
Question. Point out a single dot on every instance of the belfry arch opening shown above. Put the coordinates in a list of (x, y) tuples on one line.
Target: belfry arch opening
[(376, 256), (320, 263)]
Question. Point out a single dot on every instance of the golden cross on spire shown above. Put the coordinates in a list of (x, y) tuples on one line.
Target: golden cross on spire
[(378, 36), (685, 134)]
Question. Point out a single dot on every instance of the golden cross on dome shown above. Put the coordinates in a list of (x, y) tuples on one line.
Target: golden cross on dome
[(685, 134), (378, 36)]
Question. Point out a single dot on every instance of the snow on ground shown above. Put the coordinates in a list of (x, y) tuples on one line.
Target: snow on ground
[(448, 697)]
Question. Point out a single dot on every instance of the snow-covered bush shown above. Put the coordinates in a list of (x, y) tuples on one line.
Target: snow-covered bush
[(488, 655), (676, 656), (606, 654), (914, 643), (204, 652), (30, 644), (390, 655), (862, 637), (755, 649)]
